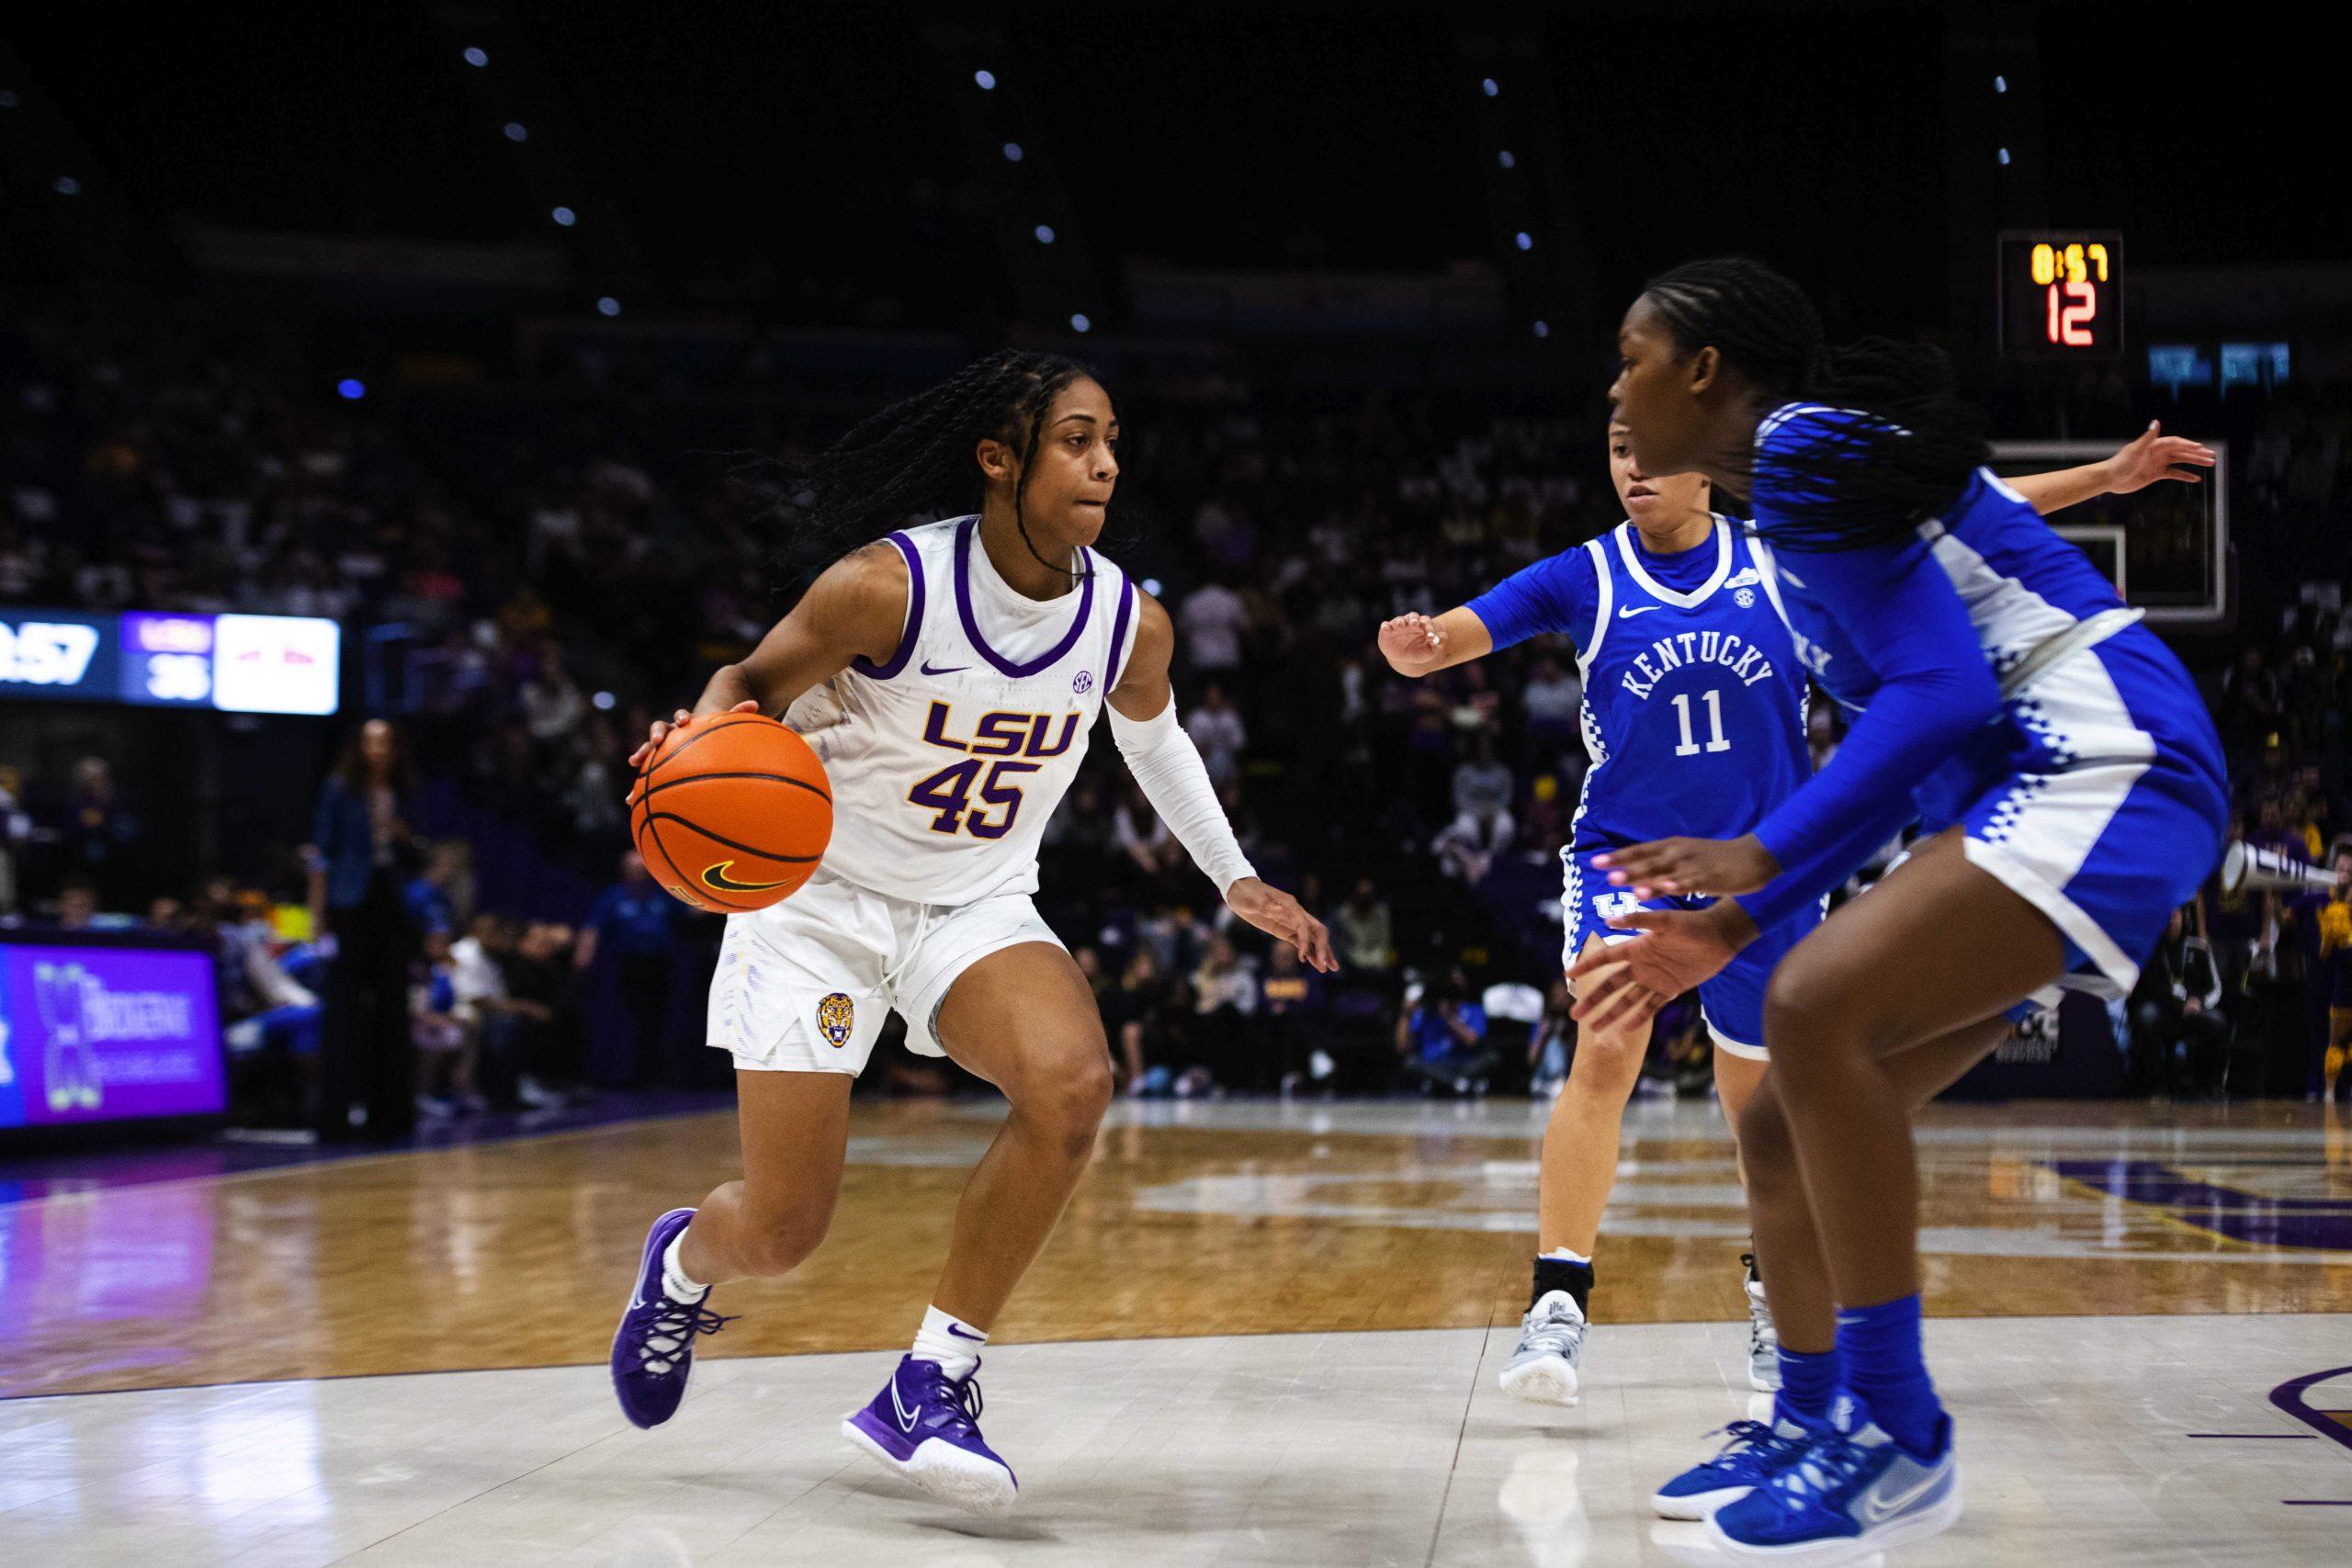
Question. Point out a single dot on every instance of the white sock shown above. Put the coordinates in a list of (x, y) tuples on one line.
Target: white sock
[(674, 1282), (950, 1341), (1563, 1255)]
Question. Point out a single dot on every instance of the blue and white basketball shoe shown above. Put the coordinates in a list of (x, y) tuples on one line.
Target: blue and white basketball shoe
[(1846, 1496), (653, 1349), (925, 1426), (1754, 1454)]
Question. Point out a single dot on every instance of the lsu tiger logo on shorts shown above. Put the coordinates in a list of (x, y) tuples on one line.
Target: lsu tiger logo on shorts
[(836, 1016)]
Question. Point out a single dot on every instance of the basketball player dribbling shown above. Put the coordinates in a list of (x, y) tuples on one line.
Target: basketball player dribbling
[(1694, 718), (948, 676)]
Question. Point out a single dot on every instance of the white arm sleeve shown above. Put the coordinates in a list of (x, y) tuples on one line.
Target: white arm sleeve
[(1167, 765)]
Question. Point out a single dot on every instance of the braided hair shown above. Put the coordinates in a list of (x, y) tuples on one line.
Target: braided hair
[(1852, 481), (915, 456)]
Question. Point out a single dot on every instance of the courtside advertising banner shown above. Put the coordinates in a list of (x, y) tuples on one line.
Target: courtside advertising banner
[(107, 1035)]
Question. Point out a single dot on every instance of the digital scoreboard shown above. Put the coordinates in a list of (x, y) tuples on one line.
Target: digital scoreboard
[(2061, 293), (231, 663)]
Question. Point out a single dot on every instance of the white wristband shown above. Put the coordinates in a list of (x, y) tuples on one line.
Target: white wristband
[(1167, 765)]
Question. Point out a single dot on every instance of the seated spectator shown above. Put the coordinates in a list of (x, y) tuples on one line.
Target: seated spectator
[(447, 1042), (1215, 728), (1224, 999), (1365, 936), (1442, 1037), (626, 953), (1466, 849), (2179, 1038), (1551, 701), (1136, 1015), (1294, 1010), (1482, 785)]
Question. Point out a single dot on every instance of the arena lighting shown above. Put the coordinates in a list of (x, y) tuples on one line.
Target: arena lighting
[(2005, 157), (67, 185), (2001, 84), (986, 80), (1506, 159), (351, 389), (1044, 233), (601, 702), (609, 306), (1013, 152), (1151, 586), (476, 58), (1488, 86), (1524, 241), (564, 217), (1542, 329), (515, 132), (1080, 324)]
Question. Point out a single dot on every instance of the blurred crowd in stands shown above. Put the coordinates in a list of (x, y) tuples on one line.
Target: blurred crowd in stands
[(545, 564)]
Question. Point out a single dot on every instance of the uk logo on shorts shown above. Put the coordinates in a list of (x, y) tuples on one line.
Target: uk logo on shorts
[(836, 1016)]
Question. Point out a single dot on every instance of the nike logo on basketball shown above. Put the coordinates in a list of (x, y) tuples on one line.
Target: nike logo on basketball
[(907, 1418), (716, 876), (952, 670), (1630, 611)]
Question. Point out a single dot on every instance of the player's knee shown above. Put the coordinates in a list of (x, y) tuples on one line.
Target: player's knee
[(1607, 1064), (778, 1241), (1067, 1101), (1802, 1011)]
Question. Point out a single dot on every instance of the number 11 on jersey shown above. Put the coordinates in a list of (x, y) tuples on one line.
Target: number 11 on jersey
[(1716, 740)]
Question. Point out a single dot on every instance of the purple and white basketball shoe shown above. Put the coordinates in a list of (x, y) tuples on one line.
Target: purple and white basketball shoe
[(925, 1426), (653, 1349)]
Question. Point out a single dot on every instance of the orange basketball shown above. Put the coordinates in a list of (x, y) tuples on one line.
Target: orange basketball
[(733, 812)]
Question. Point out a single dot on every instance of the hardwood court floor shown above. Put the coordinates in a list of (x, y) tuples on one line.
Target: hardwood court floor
[(1267, 1334), (1197, 1220)]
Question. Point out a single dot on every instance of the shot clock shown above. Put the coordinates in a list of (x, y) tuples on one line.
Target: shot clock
[(2061, 293)]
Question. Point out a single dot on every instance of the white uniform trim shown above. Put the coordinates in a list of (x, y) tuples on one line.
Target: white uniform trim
[(1607, 600), (1698, 596)]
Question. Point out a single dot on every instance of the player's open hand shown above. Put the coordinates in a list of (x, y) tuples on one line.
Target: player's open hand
[(1668, 867), (1413, 643), (2155, 455), (660, 731), (1278, 914), (1623, 985)]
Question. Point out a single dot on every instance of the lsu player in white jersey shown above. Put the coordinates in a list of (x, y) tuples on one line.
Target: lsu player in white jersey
[(948, 675)]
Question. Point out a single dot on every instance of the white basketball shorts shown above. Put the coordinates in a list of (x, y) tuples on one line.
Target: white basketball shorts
[(803, 985)]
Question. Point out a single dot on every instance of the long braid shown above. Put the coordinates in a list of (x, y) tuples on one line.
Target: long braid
[(913, 458), (1854, 482)]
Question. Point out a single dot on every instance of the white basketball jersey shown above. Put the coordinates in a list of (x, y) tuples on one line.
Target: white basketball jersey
[(946, 761)]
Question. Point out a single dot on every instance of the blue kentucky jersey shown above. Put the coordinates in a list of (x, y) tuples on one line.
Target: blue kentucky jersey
[(1694, 704)]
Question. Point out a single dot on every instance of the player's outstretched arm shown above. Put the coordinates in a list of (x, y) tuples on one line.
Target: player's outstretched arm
[(2135, 465), (1417, 645), (857, 607), (1167, 765)]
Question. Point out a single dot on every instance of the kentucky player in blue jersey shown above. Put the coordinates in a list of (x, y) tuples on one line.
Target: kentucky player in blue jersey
[(1694, 714), (2061, 764)]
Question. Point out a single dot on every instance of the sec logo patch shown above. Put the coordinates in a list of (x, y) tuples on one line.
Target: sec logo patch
[(836, 1016)]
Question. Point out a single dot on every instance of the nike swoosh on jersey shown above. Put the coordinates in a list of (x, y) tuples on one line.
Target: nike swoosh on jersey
[(1628, 612), (951, 670), (716, 876)]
